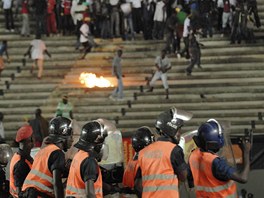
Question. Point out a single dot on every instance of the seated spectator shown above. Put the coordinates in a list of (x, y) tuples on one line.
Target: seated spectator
[(64, 108), (40, 127)]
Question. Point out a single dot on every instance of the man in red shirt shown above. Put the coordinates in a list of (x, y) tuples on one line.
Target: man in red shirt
[(51, 19)]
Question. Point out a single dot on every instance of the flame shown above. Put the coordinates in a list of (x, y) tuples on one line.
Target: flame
[(90, 80)]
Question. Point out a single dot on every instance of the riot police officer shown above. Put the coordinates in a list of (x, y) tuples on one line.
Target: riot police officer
[(161, 164), (44, 179), (85, 178), (140, 139), (21, 162), (211, 175), (6, 154)]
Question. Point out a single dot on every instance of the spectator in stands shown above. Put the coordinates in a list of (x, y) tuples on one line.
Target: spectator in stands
[(36, 52), (51, 17), (227, 17), (9, 21), (115, 18), (220, 10), (195, 53), (148, 14), (206, 8), (59, 17), (2, 130), (137, 15), (238, 31), (170, 31), (160, 17), (162, 64), (25, 31), (40, 127), (127, 21), (117, 94), (65, 108), (77, 10), (252, 8), (66, 16), (3, 49), (105, 20), (40, 16)]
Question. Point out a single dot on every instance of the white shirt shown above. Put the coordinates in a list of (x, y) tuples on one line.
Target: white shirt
[(7, 4), (160, 15), (136, 3), (77, 8), (165, 62), (84, 33), (38, 47), (220, 3), (113, 2), (186, 27)]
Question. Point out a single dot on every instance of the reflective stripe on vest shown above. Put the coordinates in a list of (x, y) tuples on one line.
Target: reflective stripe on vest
[(82, 192), (39, 185), (159, 188), (160, 176), (42, 175), (215, 189)]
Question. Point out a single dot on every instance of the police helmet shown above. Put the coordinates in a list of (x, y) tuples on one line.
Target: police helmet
[(169, 122), (210, 136), (6, 154), (59, 129), (92, 136), (142, 138)]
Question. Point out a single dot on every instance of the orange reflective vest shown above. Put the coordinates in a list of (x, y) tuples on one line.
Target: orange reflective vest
[(40, 176), (130, 174), (13, 162), (75, 184), (158, 178), (206, 184)]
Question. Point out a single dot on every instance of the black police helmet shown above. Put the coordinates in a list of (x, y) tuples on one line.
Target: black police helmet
[(142, 138), (92, 136), (169, 122), (59, 129)]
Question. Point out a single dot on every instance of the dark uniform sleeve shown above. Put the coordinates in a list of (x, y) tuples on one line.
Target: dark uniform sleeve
[(89, 169), (221, 170), (138, 174), (56, 161), (177, 160), (21, 170)]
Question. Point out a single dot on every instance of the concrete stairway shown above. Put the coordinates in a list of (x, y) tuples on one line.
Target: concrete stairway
[(229, 87)]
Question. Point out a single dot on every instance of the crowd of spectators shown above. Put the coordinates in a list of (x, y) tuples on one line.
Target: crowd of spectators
[(124, 18)]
